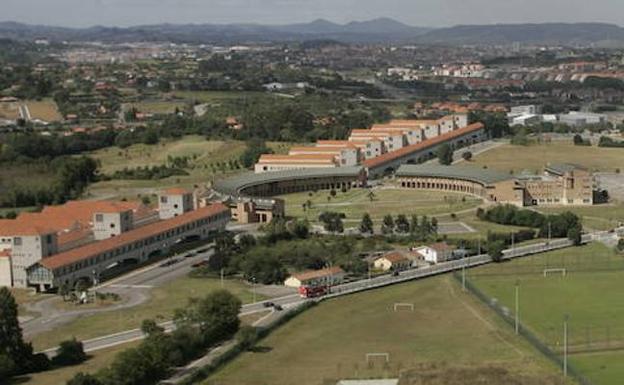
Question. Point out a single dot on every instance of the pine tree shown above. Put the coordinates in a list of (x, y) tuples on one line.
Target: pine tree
[(11, 343), (366, 226)]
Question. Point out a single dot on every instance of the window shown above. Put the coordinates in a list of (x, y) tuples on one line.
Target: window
[(163, 199), (99, 218), (17, 241)]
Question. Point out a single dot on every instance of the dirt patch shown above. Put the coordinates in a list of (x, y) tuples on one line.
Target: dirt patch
[(474, 375)]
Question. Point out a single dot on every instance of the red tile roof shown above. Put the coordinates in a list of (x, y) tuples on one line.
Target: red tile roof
[(177, 191), (313, 274), (12, 227), (404, 151), (395, 257), (131, 236)]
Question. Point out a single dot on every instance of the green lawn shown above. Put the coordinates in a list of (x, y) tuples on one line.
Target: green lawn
[(203, 154), (605, 368), (331, 341), (161, 305), (215, 96), (356, 202), (158, 107), (598, 217), (96, 361), (590, 294), (534, 157)]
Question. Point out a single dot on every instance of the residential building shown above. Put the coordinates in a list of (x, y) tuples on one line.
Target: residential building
[(394, 261), (436, 253), (325, 277), (174, 202)]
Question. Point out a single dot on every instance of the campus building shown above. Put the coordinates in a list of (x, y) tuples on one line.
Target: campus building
[(84, 240), (560, 184)]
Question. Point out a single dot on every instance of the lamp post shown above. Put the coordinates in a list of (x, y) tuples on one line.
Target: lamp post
[(565, 345), (517, 312)]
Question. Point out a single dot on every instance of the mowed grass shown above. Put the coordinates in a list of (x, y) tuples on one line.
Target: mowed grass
[(354, 203), (331, 340), (597, 217), (160, 307), (9, 111), (604, 368), (45, 110), (215, 96), (533, 158), (590, 293), (158, 107), (203, 155), (97, 360)]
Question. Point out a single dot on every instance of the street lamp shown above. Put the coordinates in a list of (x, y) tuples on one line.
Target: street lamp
[(566, 318), (517, 312)]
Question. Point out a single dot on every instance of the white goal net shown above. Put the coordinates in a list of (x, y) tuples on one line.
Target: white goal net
[(559, 271), (399, 306)]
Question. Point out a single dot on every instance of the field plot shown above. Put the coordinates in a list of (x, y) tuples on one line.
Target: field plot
[(9, 111), (160, 307), (356, 202), (215, 96), (589, 293), (598, 217), (446, 330), (96, 361), (45, 110), (534, 157), (159, 107)]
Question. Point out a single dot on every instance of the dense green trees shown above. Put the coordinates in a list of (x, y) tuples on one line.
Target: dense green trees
[(70, 352), (445, 154), (366, 225), (255, 148), (332, 222)]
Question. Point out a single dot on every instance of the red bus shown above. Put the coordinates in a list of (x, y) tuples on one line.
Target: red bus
[(312, 291)]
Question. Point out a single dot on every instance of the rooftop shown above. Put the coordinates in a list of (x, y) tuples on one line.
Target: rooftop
[(471, 173), (177, 191), (95, 248), (395, 257), (233, 186), (312, 274), (407, 150)]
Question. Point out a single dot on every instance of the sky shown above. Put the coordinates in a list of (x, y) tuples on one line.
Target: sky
[(427, 13)]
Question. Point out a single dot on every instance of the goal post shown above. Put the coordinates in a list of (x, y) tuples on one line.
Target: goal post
[(562, 271), (385, 356), (403, 305)]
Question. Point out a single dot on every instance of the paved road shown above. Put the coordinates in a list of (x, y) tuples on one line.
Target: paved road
[(352, 287)]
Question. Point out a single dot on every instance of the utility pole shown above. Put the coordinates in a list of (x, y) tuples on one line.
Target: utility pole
[(221, 278), (464, 273), (565, 345), (517, 313), (513, 249)]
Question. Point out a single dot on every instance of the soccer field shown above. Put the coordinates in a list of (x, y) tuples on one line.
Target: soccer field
[(356, 202), (590, 293), (446, 333)]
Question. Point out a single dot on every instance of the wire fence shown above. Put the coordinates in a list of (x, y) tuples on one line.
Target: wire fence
[(502, 311)]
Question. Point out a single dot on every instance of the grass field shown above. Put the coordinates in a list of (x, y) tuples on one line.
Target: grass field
[(97, 361), (590, 294), (159, 107), (603, 368), (215, 96), (9, 111), (356, 202), (203, 154), (598, 217), (447, 330), (534, 157), (161, 305), (45, 110)]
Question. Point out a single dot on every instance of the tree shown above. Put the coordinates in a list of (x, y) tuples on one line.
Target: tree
[(387, 226), (301, 229), (371, 195), (7, 366), (332, 222), (70, 352), (255, 148), (402, 224), (84, 379), (64, 290), (263, 268), (247, 337), (11, 342), (467, 156), (495, 250), (575, 234), (445, 154), (149, 327), (216, 315), (366, 225)]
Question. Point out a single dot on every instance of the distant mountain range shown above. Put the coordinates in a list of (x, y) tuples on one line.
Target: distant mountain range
[(377, 30)]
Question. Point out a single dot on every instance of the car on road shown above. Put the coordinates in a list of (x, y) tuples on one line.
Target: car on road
[(191, 254), (169, 262), (202, 263), (277, 307), (269, 304)]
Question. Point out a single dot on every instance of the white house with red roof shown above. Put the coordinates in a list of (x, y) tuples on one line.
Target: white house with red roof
[(436, 253)]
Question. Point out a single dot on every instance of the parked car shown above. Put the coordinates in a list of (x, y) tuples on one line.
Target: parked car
[(277, 307), (269, 304), (169, 262)]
